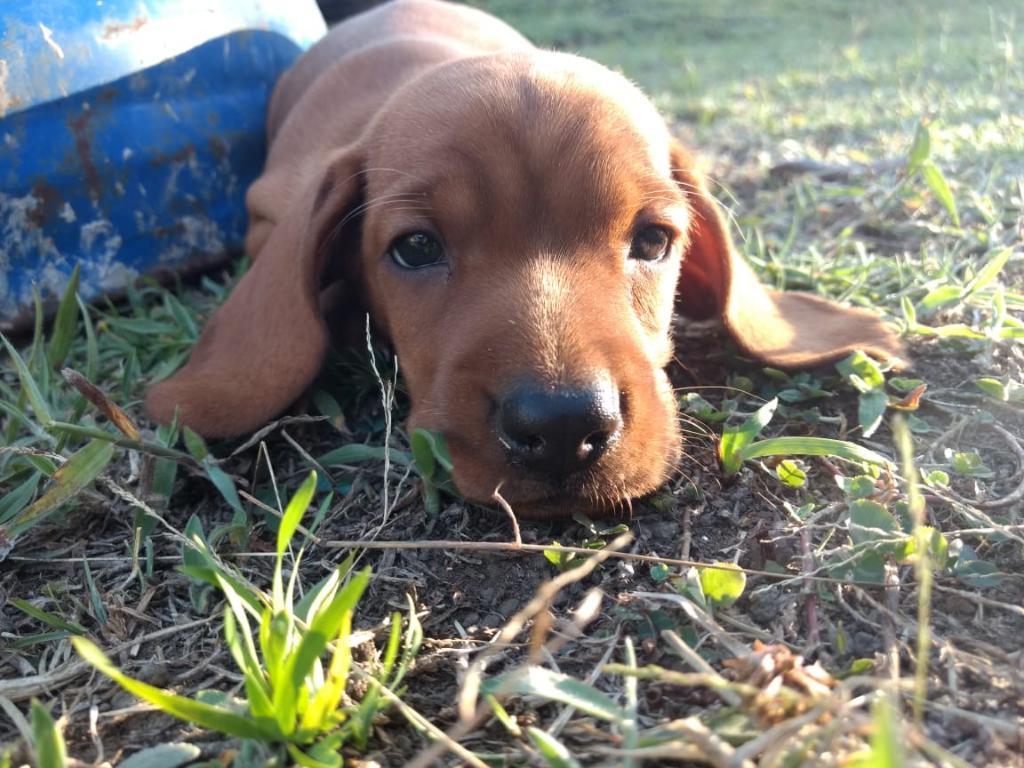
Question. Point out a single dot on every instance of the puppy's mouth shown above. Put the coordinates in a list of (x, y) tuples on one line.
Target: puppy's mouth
[(564, 503), (534, 495), (552, 452)]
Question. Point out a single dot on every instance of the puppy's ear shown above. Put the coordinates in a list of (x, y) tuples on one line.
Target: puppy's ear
[(787, 329), (265, 344)]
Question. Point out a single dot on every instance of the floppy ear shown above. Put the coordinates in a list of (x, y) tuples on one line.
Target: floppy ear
[(265, 344), (786, 329)]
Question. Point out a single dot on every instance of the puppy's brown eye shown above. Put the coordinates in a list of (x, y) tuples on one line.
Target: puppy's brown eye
[(417, 250), (650, 243)]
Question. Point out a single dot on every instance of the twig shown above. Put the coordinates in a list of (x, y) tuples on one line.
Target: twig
[(471, 714), (684, 547), (892, 603), (511, 515), (511, 546), (260, 434), (386, 400), (419, 721), (540, 602), (697, 661), (974, 596), (700, 617), (706, 745)]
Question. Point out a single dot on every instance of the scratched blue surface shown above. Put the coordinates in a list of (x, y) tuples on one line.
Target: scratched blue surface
[(131, 176)]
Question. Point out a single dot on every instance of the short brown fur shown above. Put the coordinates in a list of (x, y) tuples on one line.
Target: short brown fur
[(535, 168)]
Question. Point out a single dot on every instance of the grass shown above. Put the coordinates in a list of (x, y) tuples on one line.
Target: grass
[(769, 606)]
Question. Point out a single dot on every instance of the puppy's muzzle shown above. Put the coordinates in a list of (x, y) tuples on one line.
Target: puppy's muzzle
[(556, 432)]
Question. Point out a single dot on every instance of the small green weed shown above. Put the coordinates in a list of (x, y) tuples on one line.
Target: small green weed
[(295, 700), (738, 444)]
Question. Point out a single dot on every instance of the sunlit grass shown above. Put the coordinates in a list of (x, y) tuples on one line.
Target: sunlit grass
[(812, 119)]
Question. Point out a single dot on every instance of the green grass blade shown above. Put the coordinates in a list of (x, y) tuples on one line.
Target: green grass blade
[(357, 452), (224, 484), (195, 444), (46, 738), (554, 686), (142, 446), (77, 472), (322, 592), (937, 183), (92, 349), (36, 349), (17, 499), (430, 450), (410, 644), (247, 659), (181, 707), (920, 149), (323, 629), (293, 513), (630, 725), (989, 272), (199, 562), (47, 618), (65, 323), (736, 439), (551, 749), (812, 446), (326, 699), (308, 761), (29, 385)]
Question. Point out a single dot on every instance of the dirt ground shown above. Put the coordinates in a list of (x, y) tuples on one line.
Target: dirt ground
[(465, 597)]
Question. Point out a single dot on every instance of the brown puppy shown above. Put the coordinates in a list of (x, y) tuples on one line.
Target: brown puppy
[(521, 226)]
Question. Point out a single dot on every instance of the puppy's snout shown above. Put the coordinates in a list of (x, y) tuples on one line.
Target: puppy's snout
[(556, 432)]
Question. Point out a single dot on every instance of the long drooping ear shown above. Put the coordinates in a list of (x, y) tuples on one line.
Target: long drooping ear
[(265, 344), (782, 328)]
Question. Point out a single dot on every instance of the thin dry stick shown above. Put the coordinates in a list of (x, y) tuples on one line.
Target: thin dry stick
[(810, 591), (697, 661), (511, 515), (922, 567), (270, 471), (540, 602), (1013, 497), (711, 748), (568, 711), (511, 546), (262, 433), (1007, 729), (386, 400), (468, 720), (779, 733), (419, 721), (891, 579), (684, 547), (700, 617), (981, 599)]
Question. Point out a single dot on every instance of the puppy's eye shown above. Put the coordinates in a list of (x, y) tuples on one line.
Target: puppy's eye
[(650, 243), (417, 250)]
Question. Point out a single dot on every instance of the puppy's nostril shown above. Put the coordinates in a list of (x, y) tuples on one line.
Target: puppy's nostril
[(558, 431), (597, 441)]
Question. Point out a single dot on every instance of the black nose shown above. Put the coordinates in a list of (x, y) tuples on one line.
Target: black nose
[(558, 431)]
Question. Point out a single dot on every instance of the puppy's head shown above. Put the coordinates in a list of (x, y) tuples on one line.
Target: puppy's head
[(518, 224), (521, 247)]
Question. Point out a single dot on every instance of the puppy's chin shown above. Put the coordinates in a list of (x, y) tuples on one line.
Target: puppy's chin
[(606, 490), (642, 459)]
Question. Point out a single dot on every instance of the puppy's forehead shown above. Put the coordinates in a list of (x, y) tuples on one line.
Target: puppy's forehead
[(525, 133)]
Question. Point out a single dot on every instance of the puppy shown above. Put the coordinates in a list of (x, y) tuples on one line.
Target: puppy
[(521, 227)]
